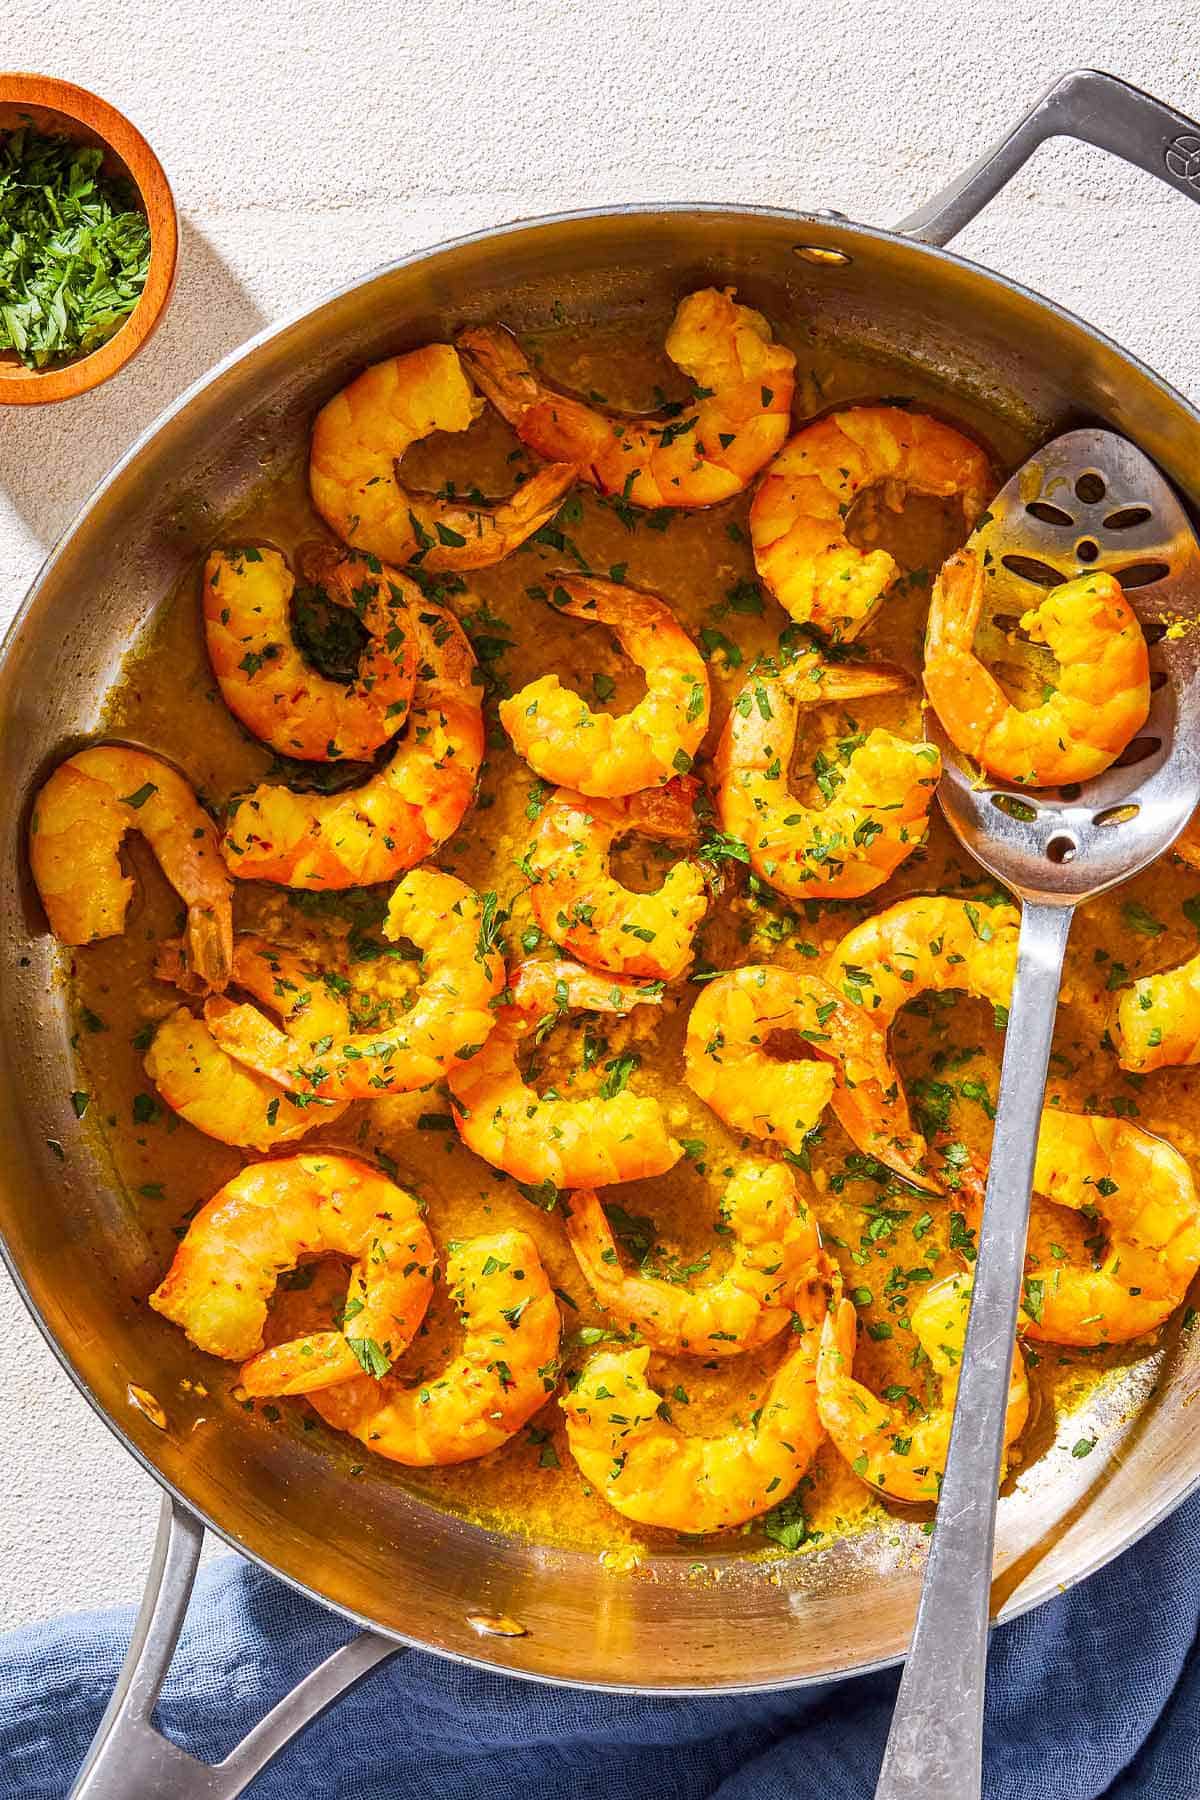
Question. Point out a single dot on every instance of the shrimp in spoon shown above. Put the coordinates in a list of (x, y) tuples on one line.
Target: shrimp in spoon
[(1103, 693)]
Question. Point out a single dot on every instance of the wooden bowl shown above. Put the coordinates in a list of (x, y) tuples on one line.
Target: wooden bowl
[(59, 107)]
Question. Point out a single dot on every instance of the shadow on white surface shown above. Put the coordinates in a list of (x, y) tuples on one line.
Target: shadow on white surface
[(51, 457)]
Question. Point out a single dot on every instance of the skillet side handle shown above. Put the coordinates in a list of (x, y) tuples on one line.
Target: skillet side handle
[(129, 1759), (1089, 105)]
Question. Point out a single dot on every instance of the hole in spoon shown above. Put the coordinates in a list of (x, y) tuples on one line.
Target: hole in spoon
[(1049, 515), (1091, 487), (1087, 550), (1139, 575), (1062, 848), (1158, 679), (1040, 573), (1126, 517), (1117, 815), (1072, 791), (1154, 631), (1014, 807), (1137, 752)]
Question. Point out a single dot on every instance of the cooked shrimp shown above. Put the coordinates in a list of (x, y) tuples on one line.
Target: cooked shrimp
[(450, 1016), (878, 792), (79, 819), (268, 684), (586, 1142), (928, 943), (204, 1085), (581, 906), (361, 434), (798, 519), (900, 1448), (600, 754), (727, 1063), (375, 832), (1155, 1022), (693, 455), (506, 1368), (1103, 693), (649, 1471), (258, 1226), (1141, 1193), (775, 1250)]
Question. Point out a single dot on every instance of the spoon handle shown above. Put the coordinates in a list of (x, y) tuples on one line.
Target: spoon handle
[(935, 1746)]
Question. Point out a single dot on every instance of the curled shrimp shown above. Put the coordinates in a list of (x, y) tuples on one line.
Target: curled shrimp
[(201, 1082), (1155, 1022), (775, 1250), (81, 815), (568, 1143), (450, 1016), (361, 434), (1140, 1192), (900, 1446), (694, 455), (726, 1060), (798, 519), (877, 796), (266, 682), (1103, 693), (600, 754), (415, 802), (583, 908), (258, 1226), (928, 943), (649, 1471), (507, 1366)]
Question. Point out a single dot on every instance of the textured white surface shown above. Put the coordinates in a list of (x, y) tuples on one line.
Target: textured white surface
[(308, 141)]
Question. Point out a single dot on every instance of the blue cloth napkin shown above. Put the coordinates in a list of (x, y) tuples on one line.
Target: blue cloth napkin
[(1097, 1693)]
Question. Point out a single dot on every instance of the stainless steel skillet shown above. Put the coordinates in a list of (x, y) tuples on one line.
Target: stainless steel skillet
[(366, 1547)]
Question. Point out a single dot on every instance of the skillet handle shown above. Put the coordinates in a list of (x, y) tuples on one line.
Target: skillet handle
[(129, 1759), (1089, 105)]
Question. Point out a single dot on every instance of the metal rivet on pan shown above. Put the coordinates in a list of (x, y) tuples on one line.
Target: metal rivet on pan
[(495, 1625), (145, 1402), (821, 253)]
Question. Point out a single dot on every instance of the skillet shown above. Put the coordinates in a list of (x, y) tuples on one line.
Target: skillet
[(410, 1574)]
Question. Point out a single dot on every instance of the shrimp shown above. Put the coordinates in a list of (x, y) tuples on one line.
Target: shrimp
[(900, 1448), (928, 943), (361, 434), (798, 519), (416, 801), (649, 1471), (450, 1017), (600, 754), (878, 790), (502, 1376), (1141, 1193), (565, 1143), (581, 906), (1155, 1022), (258, 1226), (727, 1064), (1103, 693), (690, 455), (776, 1249), (81, 815), (204, 1085), (266, 682)]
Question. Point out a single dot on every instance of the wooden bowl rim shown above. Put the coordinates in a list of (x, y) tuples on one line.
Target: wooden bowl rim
[(39, 387)]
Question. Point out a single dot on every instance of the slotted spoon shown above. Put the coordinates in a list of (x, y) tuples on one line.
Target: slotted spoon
[(1089, 500)]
